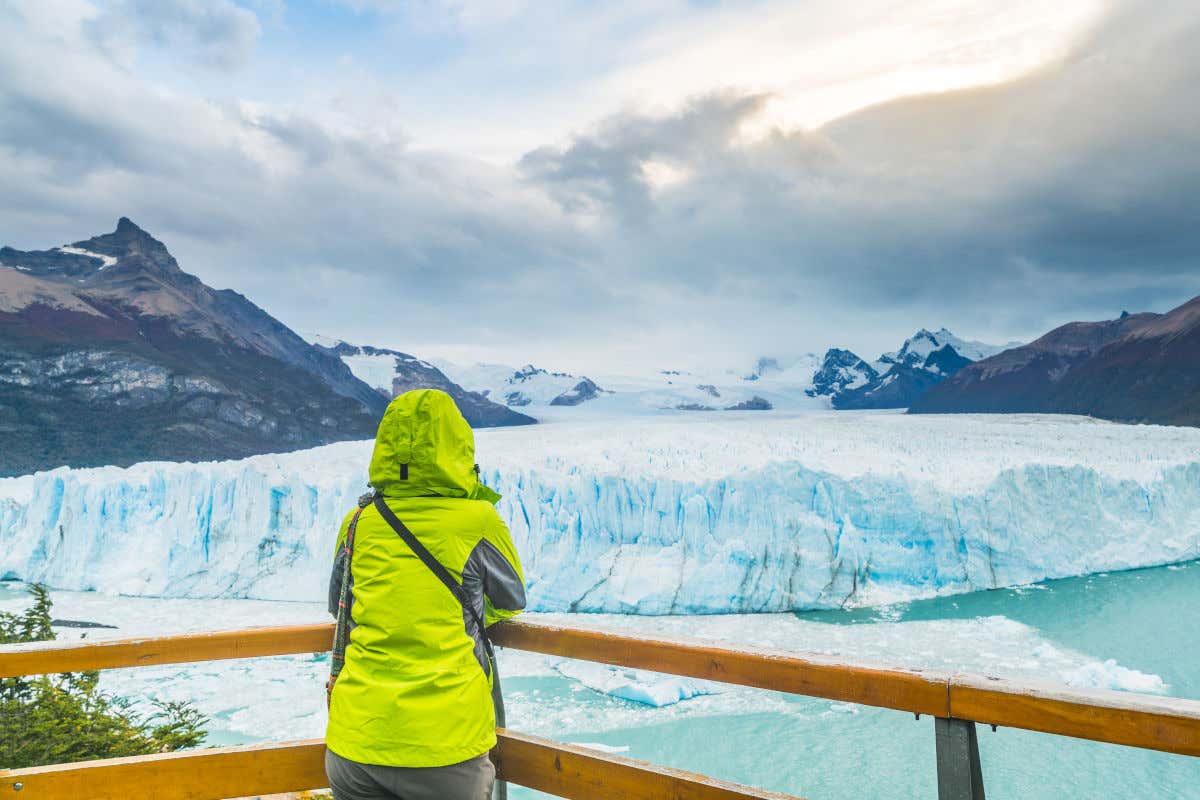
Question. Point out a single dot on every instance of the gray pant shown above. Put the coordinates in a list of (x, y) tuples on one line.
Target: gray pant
[(468, 780)]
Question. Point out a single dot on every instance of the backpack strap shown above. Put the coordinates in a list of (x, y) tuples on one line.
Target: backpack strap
[(435, 566), (341, 629)]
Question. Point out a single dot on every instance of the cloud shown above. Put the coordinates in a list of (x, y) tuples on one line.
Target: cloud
[(1009, 208), (217, 33), (662, 237), (606, 170)]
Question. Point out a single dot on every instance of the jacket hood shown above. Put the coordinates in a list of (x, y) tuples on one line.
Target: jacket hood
[(425, 448)]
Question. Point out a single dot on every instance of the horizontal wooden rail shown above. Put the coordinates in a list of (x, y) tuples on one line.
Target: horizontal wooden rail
[(1151, 722), (579, 773), (561, 769), (40, 658), (1145, 721), (190, 775), (782, 671)]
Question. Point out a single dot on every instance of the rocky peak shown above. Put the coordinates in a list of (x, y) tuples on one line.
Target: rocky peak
[(581, 392), (130, 241), (840, 371), (526, 372)]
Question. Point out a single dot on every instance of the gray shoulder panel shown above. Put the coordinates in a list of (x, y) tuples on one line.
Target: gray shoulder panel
[(501, 583)]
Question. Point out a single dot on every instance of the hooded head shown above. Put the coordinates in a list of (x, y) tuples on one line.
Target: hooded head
[(425, 448)]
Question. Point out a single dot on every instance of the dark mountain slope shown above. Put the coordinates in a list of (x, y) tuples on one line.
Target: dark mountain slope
[(1138, 368), (111, 354)]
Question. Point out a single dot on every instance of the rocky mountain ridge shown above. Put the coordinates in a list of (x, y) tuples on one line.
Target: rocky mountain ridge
[(391, 372), (1136, 368), (899, 378), (110, 353)]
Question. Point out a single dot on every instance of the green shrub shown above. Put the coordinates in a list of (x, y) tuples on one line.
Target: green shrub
[(62, 718)]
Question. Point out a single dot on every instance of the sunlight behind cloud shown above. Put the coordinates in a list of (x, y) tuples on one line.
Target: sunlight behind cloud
[(821, 64), (660, 175)]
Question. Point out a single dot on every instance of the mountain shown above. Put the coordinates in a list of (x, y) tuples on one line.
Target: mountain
[(527, 386), (391, 372), (1136, 368), (898, 378), (111, 354)]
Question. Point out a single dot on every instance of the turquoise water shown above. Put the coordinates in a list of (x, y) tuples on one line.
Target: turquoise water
[(1145, 619)]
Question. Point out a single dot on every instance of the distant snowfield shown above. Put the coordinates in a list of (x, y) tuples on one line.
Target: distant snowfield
[(283, 698), (674, 514)]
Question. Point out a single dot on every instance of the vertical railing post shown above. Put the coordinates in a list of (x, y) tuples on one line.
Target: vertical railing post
[(958, 774)]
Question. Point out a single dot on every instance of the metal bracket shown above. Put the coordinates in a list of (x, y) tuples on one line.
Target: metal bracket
[(958, 773)]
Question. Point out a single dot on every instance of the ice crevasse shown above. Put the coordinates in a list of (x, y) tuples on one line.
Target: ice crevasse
[(707, 513)]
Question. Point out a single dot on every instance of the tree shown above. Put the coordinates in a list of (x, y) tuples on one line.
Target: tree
[(63, 718)]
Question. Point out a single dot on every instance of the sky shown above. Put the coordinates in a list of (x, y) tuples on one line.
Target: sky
[(606, 187)]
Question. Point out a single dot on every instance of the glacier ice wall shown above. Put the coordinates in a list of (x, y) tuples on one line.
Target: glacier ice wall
[(706, 515)]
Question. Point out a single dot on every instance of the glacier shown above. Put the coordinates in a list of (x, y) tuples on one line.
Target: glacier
[(703, 513)]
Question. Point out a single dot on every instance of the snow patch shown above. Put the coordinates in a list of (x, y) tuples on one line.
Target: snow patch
[(377, 371), (105, 261)]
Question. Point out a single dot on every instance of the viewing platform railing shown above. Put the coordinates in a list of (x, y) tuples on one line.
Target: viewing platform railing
[(956, 701)]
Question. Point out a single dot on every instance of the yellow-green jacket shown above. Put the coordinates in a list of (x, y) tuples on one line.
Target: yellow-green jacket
[(415, 690)]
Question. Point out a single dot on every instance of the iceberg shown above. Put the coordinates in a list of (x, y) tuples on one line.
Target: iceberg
[(699, 513)]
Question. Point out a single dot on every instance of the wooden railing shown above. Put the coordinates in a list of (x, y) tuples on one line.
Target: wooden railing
[(956, 701)]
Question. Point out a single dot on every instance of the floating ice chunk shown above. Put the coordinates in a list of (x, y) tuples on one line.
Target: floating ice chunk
[(1109, 674), (640, 686)]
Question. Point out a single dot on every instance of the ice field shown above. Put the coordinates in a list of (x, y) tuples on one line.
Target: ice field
[(681, 514)]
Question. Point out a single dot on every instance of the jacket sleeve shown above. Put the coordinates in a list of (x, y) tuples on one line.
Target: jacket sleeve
[(503, 579), (335, 574)]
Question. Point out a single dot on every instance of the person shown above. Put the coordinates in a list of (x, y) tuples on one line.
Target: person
[(411, 710)]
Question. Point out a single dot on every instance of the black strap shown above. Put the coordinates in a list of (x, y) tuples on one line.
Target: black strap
[(435, 566)]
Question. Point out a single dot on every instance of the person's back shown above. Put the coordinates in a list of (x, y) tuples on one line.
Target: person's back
[(411, 712)]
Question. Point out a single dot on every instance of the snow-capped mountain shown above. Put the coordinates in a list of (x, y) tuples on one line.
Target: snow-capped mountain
[(772, 383), (111, 354), (391, 373), (924, 343), (523, 387), (897, 379)]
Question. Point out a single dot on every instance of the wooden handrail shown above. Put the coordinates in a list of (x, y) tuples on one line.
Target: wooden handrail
[(565, 770), (812, 675), (1145, 721), (41, 658), (579, 773), (1149, 722)]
